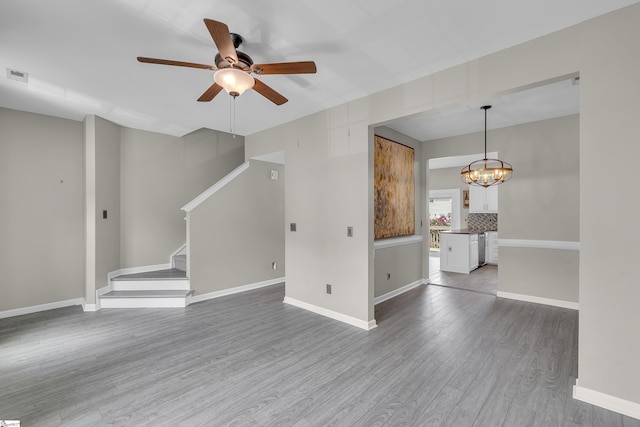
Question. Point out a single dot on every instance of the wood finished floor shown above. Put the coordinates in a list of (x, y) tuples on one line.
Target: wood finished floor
[(439, 357), (483, 279)]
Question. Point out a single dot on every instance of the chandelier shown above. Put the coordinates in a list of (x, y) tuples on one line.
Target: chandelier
[(486, 172)]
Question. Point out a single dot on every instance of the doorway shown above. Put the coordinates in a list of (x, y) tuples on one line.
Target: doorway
[(444, 215)]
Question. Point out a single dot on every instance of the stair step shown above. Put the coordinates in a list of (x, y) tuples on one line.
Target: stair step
[(168, 274), (151, 285), (162, 280), (145, 298)]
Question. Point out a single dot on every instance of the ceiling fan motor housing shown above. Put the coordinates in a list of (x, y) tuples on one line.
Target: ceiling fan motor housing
[(244, 61)]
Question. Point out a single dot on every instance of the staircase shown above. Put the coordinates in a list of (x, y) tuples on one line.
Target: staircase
[(154, 289)]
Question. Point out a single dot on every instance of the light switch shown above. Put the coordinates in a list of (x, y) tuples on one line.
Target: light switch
[(274, 175), (292, 226), (349, 231)]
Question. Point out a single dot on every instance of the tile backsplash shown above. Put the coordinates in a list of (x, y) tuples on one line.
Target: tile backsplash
[(483, 222)]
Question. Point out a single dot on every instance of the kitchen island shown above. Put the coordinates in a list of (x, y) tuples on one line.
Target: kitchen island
[(459, 250)]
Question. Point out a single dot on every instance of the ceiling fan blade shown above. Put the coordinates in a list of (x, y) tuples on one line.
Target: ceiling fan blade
[(222, 38), (178, 63), (304, 67), (210, 93), (269, 93)]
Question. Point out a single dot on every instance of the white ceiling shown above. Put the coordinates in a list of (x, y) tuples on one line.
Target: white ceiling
[(81, 55), (539, 103)]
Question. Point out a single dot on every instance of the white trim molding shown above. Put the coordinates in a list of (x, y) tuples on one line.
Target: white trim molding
[(606, 401), (100, 292), (539, 244), (367, 326), (234, 290), (215, 187), (181, 251), (395, 293), (539, 300), (398, 241), (89, 307), (41, 307)]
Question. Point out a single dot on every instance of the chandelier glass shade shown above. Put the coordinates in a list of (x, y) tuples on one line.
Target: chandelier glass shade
[(233, 80), (486, 172)]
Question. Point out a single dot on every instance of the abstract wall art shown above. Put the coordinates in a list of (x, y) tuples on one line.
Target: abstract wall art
[(394, 189)]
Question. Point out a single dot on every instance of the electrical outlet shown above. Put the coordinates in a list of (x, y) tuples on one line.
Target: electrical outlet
[(388, 276), (329, 289), (349, 231)]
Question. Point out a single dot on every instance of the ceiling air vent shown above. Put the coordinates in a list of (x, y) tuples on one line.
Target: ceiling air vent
[(20, 76)]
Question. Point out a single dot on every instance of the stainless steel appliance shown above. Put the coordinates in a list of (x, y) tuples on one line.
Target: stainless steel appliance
[(482, 237)]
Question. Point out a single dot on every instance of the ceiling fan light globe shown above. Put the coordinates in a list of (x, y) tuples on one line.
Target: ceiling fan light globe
[(233, 81)]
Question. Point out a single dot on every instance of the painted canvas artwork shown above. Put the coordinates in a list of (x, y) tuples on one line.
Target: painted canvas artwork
[(394, 189)]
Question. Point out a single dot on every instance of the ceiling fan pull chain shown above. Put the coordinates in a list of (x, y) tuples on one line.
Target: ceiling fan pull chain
[(230, 115), (234, 117)]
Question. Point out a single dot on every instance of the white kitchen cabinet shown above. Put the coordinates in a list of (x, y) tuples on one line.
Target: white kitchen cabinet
[(473, 252), (491, 247), (458, 252), (483, 200)]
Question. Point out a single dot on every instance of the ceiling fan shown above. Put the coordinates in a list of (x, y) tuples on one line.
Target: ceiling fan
[(233, 68)]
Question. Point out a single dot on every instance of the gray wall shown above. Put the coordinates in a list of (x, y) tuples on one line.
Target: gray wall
[(41, 209), (327, 190), (545, 273), (159, 175), (54, 243), (238, 232), (540, 202), (404, 263), (107, 180), (601, 51), (101, 148)]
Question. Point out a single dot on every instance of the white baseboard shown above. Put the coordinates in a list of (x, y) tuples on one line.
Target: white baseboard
[(100, 292), (181, 251), (41, 307), (399, 291), (89, 307), (539, 300), (235, 290), (332, 314), (606, 401)]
